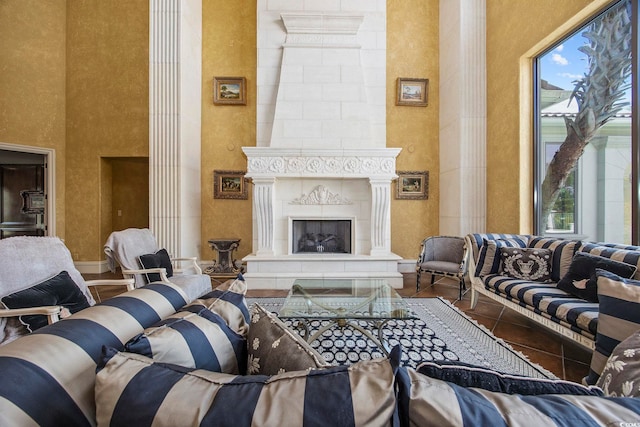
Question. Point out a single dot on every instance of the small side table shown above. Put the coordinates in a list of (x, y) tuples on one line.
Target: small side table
[(225, 265)]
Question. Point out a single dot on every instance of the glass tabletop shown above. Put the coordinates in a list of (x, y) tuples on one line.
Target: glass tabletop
[(373, 299)]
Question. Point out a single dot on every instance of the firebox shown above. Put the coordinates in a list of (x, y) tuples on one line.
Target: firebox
[(321, 236)]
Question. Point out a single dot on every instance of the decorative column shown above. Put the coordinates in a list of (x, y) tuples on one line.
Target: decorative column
[(380, 216), (175, 58), (463, 117), (263, 200)]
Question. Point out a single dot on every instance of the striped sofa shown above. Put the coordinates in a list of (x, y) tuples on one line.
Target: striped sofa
[(544, 302)]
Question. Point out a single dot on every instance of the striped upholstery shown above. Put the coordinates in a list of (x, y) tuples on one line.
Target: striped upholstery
[(619, 317), (228, 301), (358, 395), (424, 401), (563, 251), (622, 253), (58, 362), (489, 257), (194, 338), (477, 240), (546, 299)]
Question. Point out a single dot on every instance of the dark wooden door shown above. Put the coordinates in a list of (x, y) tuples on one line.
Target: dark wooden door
[(17, 217)]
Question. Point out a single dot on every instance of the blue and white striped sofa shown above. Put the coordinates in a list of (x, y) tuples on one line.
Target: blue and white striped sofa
[(55, 376), (544, 303)]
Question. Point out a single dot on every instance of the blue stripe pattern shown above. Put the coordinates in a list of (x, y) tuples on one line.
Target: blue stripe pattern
[(171, 294), (475, 409), (562, 414), (140, 310), (563, 251), (236, 299), (235, 404), (338, 402)]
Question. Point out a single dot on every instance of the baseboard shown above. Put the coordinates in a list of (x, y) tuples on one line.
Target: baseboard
[(407, 266), (92, 267)]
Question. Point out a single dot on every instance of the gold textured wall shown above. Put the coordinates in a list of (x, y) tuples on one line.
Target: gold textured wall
[(107, 107), (32, 82), (228, 49), (412, 51), (516, 31)]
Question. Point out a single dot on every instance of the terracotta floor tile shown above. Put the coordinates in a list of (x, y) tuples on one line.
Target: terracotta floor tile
[(549, 361), (534, 337), (575, 371)]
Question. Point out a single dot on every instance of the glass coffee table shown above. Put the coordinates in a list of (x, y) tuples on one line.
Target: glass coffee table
[(345, 302)]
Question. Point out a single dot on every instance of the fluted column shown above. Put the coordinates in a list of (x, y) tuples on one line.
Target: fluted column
[(175, 40), (380, 216), (263, 204)]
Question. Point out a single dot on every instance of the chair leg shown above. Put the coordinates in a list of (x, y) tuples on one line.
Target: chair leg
[(418, 281), (433, 278)]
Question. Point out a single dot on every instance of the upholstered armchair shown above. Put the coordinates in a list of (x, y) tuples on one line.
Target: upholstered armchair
[(442, 256), (137, 253), (39, 284)]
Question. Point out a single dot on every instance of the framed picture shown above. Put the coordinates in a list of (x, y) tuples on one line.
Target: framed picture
[(413, 185), (412, 92), (229, 185), (230, 91)]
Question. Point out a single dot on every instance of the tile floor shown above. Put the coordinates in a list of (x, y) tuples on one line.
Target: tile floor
[(557, 354)]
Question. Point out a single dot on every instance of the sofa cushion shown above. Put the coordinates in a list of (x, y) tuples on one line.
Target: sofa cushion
[(621, 374), (466, 375), (360, 394), (159, 259), (228, 300), (581, 279), (274, 349), (195, 338), (621, 253), (527, 263), (488, 261), (57, 290), (619, 317), (562, 253), (424, 401)]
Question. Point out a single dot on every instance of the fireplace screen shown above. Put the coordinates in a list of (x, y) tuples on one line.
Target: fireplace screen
[(321, 236)]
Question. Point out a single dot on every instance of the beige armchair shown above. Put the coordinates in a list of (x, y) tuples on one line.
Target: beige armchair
[(442, 256), (126, 247), (27, 263)]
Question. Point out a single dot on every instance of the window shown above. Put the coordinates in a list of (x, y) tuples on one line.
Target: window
[(583, 131)]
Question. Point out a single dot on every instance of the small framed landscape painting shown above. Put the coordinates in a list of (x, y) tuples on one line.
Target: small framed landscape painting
[(412, 92), (413, 185), (230, 91), (229, 185)]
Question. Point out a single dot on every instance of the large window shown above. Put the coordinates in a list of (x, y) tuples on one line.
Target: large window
[(584, 185)]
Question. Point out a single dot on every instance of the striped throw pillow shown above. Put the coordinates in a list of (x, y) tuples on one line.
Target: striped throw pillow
[(193, 338), (562, 254), (626, 254), (489, 255), (618, 318), (424, 401), (228, 300), (132, 390)]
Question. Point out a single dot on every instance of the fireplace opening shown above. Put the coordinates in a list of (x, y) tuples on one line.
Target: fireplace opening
[(321, 236)]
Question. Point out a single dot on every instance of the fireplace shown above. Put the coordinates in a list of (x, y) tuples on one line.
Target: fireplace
[(321, 236)]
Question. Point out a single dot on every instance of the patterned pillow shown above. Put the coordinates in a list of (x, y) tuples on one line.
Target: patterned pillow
[(356, 395), (160, 259), (274, 349), (489, 256), (424, 401), (626, 254), (228, 300), (621, 374), (194, 338), (527, 263), (562, 253), (477, 376), (618, 318), (581, 279)]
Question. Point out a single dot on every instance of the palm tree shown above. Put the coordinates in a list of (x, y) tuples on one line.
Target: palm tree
[(599, 95)]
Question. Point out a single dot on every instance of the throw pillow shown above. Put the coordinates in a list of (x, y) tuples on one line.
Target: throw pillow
[(621, 374), (274, 349), (160, 259), (194, 338), (228, 300), (466, 375), (58, 290), (581, 279), (562, 253), (527, 263), (132, 390), (618, 318), (621, 253), (489, 256)]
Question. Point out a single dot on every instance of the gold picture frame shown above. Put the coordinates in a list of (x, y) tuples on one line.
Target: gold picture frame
[(230, 91), (413, 185), (412, 92), (229, 185)]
